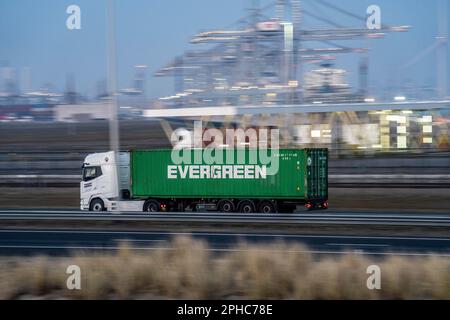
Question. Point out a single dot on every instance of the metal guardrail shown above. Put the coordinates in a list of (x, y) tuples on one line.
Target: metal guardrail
[(390, 180), (438, 220), (35, 180)]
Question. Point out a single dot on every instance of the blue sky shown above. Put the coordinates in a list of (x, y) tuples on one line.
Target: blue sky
[(33, 34)]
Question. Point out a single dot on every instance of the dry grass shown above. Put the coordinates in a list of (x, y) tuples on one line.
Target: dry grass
[(189, 271)]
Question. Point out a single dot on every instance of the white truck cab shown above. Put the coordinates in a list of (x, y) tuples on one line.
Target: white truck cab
[(105, 188)]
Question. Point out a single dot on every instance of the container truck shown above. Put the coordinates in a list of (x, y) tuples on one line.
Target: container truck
[(152, 181)]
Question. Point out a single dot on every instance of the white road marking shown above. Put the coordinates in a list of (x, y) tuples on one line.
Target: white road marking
[(138, 240), (357, 245)]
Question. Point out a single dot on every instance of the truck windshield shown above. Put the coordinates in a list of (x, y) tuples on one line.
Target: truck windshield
[(90, 173)]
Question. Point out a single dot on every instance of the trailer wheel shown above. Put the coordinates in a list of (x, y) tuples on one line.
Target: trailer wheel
[(151, 206), (267, 207), (97, 205), (225, 206), (246, 206)]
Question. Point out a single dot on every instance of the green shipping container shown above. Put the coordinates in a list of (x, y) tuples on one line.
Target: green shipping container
[(301, 175)]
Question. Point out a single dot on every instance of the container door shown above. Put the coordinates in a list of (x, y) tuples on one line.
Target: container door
[(317, 174)]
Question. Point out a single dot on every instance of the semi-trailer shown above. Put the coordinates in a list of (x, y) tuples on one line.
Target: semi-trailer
[(248, 181)]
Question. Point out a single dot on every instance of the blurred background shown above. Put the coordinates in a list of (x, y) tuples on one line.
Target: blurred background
[(377, 98)]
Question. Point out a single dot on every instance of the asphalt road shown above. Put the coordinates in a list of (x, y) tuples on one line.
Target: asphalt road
[(22, 241), (60, 242)]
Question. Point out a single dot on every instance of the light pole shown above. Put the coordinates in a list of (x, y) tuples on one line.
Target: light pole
[(112, 88)]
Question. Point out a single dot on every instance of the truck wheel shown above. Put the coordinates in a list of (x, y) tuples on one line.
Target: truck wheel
[(266, 207), (246, 206), (151, 206), (225, 206), (97, 205)]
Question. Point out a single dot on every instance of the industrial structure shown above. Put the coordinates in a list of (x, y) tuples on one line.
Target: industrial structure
[(270, 68), (265, 59), (274, 71)]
